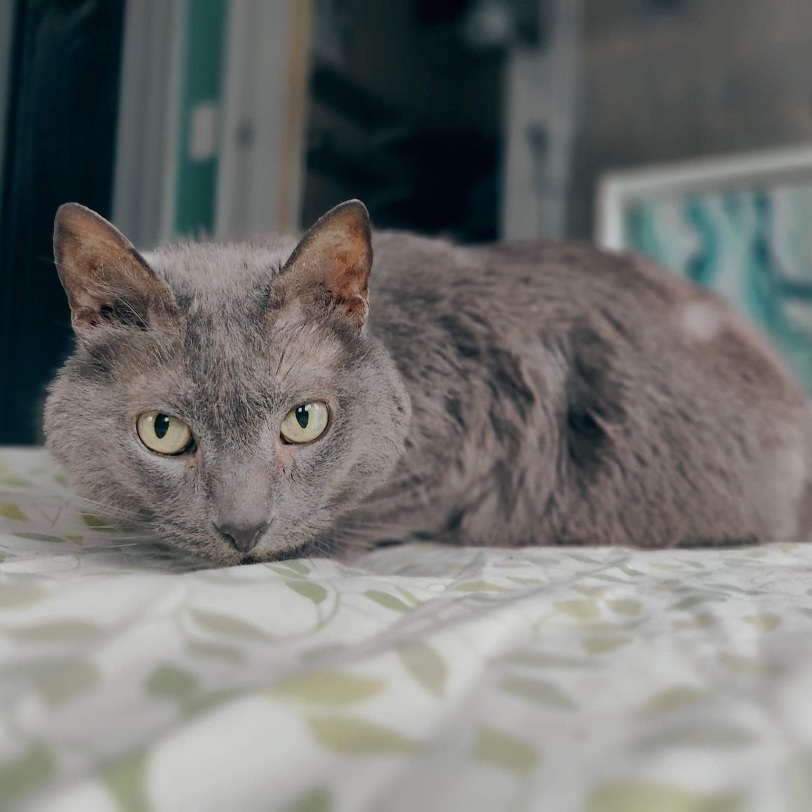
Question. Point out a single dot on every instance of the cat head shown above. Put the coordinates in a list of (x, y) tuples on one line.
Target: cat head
[(229, 395)]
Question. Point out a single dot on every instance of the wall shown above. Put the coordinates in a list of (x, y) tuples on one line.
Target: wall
[(699, 77)]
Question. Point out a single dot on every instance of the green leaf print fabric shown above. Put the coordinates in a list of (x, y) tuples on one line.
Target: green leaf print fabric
[(417, 678)]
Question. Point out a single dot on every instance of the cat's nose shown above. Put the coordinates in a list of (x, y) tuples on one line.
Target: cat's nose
[(243, 537)]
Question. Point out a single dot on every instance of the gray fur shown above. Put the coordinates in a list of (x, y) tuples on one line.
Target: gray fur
[(509, 395)]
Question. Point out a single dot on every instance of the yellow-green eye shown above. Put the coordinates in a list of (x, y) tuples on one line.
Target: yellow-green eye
[(163, 433), (305, 422)]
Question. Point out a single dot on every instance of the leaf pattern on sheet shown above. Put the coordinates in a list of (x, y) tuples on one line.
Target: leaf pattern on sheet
[(421, 677), (505, 750), (348, 735), (328, 688), (426, 666), (642, 796)]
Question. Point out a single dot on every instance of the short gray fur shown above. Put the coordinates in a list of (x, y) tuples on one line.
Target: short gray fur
[(510, 395)]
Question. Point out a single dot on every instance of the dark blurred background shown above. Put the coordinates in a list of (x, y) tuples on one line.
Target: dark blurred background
[(474, 119)]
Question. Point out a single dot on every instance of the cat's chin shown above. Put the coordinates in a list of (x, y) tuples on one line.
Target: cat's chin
[(233, 558)]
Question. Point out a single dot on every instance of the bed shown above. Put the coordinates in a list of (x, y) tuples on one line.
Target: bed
[(418, 678)]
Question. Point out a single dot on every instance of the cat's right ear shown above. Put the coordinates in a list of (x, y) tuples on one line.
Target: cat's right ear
[(107, 281)]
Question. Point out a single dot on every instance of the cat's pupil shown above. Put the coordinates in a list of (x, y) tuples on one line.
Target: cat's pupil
[(161, 426), (302, 416)]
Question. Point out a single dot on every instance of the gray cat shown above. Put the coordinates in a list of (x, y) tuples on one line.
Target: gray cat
[(253, 401)]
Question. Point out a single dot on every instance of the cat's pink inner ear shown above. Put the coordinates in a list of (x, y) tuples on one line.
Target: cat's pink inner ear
[(105, 278), (334, 256)]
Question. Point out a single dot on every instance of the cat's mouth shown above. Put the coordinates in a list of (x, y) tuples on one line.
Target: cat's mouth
[(269, 555)]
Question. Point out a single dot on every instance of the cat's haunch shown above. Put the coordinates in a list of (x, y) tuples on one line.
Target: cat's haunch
[(252, 401)]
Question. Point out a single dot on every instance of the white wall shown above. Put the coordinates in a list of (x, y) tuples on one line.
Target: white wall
[(262, 121)]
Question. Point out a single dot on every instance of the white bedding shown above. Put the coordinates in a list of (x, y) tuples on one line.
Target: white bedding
[(421, 678)]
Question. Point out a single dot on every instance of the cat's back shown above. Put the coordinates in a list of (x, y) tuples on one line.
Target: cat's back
[(563, 282), (643, 392), (541, 293)]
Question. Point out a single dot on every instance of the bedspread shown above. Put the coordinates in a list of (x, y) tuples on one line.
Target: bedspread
[(420, 677)]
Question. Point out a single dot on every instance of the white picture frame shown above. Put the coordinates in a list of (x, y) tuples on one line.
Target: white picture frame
[(617, 190)]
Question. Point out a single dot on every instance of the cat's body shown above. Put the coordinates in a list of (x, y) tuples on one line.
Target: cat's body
[(564, 394), (527, 394)]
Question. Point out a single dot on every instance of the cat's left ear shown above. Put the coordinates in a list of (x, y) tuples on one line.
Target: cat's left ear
[(330, 266), (107, 281)]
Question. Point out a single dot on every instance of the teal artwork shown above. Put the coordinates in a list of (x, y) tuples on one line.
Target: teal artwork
[(753, 245)]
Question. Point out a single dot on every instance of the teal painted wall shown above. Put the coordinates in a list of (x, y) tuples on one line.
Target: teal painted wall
[(201, 81)]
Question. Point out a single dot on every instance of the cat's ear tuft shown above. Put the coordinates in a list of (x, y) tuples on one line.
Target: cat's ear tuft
[(106, 279), (330, 266)]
